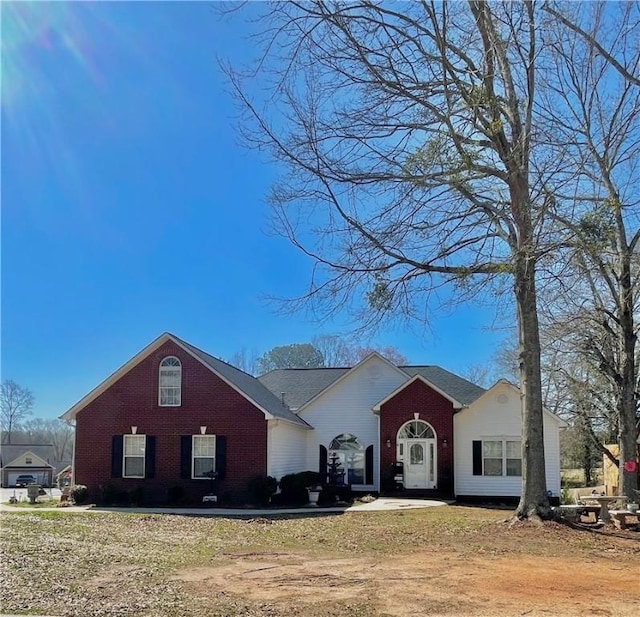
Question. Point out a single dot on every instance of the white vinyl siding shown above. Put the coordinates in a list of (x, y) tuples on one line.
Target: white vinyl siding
[(491, 419), (285, 448), (347, 408)]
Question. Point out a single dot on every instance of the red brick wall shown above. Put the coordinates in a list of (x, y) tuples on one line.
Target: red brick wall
[(206, 401), (434, 409)]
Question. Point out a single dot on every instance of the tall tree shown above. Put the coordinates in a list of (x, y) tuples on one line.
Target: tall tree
[(409, 139), (298, 355), (593, 115), (340, 351), (246, 361), (49, 431), (16, 404)]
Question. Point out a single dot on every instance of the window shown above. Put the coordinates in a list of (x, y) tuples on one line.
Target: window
[(203, 448), (28, 460), (351, 455), (514, 458), (416, 429), (170, 382), (502, 457), (133, 456)]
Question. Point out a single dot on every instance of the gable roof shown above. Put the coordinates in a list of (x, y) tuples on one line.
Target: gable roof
[(300, 385), (10, 452), (348, 372), (505, 382), (452, 385), (456, 403), (243, 383)]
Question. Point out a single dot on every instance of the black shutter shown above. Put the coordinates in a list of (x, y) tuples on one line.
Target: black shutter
[(221, 456), (185, 457), (150, 457), (477, 458), (322, 464), (368, 465), (116, 456)]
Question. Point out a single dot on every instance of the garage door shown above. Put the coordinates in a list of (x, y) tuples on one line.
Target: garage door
[(40, 476)]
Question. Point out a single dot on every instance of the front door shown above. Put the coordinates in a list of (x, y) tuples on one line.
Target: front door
[(419, 463)]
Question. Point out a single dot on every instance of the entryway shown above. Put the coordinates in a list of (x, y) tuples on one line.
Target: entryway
[(417, 450)]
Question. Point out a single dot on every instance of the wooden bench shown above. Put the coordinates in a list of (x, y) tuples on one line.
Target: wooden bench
[(620, 517)]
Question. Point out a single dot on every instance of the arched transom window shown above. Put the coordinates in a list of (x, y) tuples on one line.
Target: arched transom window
[(170, 382), (350, 452), (416, 429)]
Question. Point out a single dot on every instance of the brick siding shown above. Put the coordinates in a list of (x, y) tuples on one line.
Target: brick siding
[(434, 409), (206, 401)]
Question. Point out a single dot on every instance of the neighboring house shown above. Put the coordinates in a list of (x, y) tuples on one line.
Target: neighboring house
[(173, 416), (20, 459)]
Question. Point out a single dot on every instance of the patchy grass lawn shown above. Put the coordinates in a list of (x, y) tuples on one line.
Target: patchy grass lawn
[(436, 561)]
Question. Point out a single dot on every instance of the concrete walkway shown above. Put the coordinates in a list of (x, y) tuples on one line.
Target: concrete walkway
[(380, 504)]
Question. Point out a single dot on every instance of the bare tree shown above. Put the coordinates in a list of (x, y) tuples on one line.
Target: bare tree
[(246, 361), (335, 350), (408, 134), (341, 351), (16, 404), (49, 431), (386, 351), (592, 110)]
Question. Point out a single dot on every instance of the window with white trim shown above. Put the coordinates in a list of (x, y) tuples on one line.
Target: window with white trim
[(133, 452), (170, 382), (203, 456), (502, 457), (350, 453)]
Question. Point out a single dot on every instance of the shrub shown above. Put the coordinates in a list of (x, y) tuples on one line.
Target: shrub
[(175, 495), (261, 488), (79, 493), (293, 487), (107, 494), (566, 496), (387, 481), (136, 496), (122, 498)]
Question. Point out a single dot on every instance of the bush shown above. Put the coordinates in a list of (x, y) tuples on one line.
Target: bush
[(136, 496), (387, 481), (79, 493), (293, 487), (107, 494), (261, 488), (175, 495)]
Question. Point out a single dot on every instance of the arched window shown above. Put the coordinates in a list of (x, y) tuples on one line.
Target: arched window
[(170, 382), (349, 451), (416, 429)]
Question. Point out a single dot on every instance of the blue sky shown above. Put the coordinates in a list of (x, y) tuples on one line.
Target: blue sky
[(130, 209)]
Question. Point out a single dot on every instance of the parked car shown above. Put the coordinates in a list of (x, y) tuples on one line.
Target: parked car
[(25, 479)]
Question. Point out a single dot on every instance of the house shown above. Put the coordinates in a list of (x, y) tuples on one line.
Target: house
[(176, 419), (30, 459)]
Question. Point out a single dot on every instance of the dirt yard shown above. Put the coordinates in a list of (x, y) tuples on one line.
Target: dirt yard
[(428, 584), (440, 561)]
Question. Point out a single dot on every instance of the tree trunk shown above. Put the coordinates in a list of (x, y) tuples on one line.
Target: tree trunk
[(534, 500), (627, 430)]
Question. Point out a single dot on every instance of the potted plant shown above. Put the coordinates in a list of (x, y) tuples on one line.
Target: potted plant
[(314, 494)]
